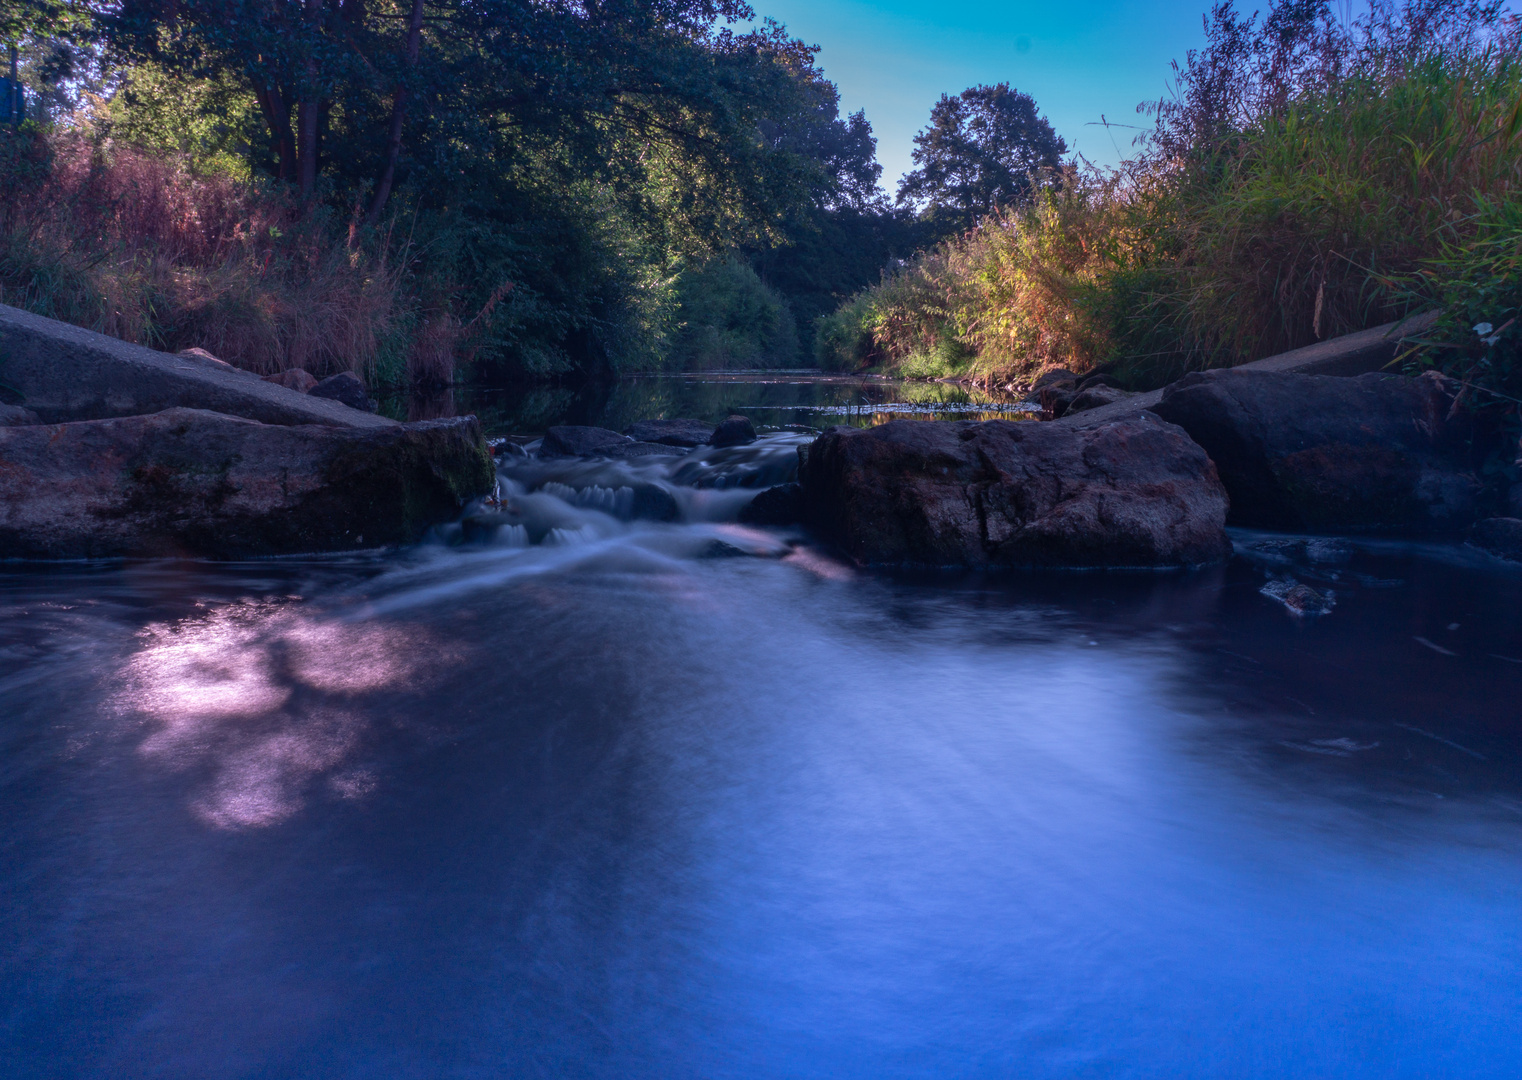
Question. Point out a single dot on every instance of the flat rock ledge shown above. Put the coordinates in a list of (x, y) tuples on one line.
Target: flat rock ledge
[(63, 373), (198, 483), (1134, 493)]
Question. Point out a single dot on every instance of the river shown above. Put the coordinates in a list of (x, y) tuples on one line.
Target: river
[(598, 797)]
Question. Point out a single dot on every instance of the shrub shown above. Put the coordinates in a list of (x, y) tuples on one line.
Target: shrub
[(143, 248), (1477, 284), (727, 317), (1306, 174)]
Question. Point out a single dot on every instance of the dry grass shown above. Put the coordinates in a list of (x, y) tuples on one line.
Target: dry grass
[(141, 248), (1311, 216)]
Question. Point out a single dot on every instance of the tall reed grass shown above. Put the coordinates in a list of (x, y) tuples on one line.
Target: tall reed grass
[(1334, 204), (141, 247)]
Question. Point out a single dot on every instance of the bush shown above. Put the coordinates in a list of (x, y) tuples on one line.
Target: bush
[(1306, 175), (144, 249), (727, 317), (1477, 284), (844, 339)]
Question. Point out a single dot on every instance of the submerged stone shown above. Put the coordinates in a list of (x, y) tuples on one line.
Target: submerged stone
[(686, 433)]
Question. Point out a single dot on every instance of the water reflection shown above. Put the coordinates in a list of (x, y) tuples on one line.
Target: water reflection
[(256, 695), (777, 399), (628, 809)]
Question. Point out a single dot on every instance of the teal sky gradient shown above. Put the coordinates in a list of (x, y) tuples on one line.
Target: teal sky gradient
[(1079, 60)]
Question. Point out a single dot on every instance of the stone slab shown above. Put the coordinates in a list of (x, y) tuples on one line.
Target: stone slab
[(65, 373)]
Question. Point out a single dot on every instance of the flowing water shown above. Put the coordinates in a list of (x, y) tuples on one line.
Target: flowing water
[(568, 792)]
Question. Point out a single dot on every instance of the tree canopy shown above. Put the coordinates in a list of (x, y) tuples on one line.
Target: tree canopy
[(978, 152)]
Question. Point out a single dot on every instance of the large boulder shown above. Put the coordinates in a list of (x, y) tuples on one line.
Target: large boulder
[(1000, 493), (187, 481), (684, 433), (1324, 453)]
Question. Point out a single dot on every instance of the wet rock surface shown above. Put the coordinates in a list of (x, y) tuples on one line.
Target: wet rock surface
[(1298, 598), (12, 415), (733, 431), (1094, 397), (1131, 493), (1500, 536), (298, 379), (574, 440), (684, 433), (192, 482), (344, 387), (780, 505), (1311, 452)]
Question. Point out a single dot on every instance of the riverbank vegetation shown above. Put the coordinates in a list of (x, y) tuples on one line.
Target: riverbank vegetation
[(1310, 176), (533, 189), (416, 191)]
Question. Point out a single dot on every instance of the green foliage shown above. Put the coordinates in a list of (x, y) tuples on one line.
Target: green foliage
[(727, 318), (1309, 180), (844, 339), (984, 148), (211, 124), (1477, 283), (535, 178)]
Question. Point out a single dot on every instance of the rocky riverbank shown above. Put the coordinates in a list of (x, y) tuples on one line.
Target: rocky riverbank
[(107, 449), (110, 449)]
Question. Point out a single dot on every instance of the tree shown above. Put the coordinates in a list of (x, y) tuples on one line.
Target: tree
[(980, 151)]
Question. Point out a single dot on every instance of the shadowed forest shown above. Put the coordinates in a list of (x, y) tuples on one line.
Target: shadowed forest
[(426, 193)]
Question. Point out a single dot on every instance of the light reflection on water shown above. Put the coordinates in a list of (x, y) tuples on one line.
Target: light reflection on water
[(256, 693), (777, 399), (623, 809)]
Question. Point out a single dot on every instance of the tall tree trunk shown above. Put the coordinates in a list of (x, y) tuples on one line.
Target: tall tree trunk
[(309, 112), (278, 116), (307, 115), (398, 116)]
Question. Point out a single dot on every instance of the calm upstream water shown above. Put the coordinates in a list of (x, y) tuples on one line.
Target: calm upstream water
[(585, 796), (778, 399)]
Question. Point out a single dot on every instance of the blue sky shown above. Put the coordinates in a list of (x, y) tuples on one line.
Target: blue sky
[(1079, 60)]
